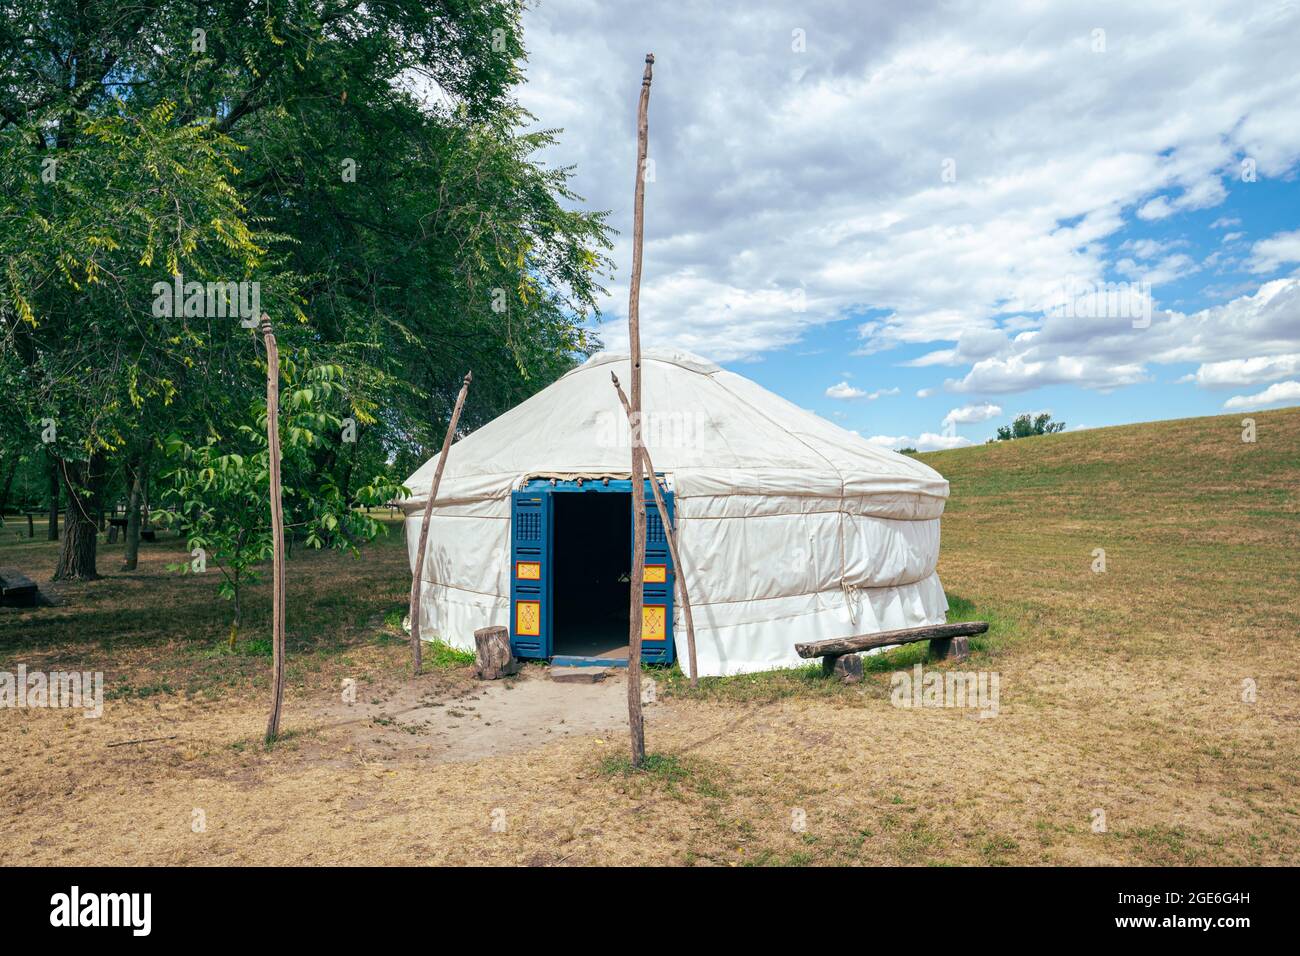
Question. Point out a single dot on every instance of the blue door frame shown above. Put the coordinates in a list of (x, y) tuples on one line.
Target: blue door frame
[(532, 537)]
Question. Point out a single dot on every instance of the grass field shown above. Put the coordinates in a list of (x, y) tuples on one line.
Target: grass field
[(1124, 735)]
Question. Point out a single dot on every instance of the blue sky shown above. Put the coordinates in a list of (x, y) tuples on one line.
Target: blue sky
[(898, 216)]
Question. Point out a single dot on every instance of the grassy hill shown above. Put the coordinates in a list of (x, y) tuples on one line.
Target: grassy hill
[(1135, 677), (1200, 529)]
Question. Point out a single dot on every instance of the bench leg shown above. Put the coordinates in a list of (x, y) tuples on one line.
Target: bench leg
[(847, 667), (950, 648)]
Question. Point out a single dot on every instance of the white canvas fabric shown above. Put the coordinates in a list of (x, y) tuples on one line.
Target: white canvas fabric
[(790, 528)]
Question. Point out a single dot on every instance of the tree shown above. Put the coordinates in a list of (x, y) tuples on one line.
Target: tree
[(219, 496), (294, 144), (1025, 426), (131, 198)]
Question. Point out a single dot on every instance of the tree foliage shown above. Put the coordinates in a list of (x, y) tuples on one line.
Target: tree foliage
[(219, 490), (1027, 425), (363, 164)]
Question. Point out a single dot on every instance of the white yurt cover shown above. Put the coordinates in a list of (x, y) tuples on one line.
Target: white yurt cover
[(790, 528)]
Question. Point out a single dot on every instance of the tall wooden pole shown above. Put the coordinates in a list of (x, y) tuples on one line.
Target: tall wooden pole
[(277, 528), (636, 723), (671, 533), (416, 654)]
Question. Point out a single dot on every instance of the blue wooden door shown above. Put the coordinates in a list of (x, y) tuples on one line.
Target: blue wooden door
[(657, 595), (530, 573)]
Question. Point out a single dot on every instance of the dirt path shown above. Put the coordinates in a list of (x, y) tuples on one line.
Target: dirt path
[(490, 719)]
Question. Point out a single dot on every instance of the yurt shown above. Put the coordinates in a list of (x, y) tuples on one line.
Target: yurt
[(790, 528)]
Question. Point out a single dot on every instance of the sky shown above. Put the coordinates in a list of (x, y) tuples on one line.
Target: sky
[(921, 219)]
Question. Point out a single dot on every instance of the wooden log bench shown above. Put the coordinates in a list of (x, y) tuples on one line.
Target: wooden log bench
[(839, 655), (17, 589)]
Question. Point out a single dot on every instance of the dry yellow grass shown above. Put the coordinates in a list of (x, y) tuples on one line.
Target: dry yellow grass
[(1120, 692)]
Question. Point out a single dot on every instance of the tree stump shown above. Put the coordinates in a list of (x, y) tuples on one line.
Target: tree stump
[(847, 667), (492, 654)]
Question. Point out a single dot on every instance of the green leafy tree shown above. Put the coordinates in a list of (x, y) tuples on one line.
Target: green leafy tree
[(132, 199), (219, 499), (361, 161), (1025, 425)]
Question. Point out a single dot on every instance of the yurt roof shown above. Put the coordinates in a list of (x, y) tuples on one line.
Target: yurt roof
[(718, 431)]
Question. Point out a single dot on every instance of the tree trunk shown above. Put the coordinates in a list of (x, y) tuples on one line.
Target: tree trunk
[(492, 655), (234, 623), (52, 532), (131, 550), (145, 521), (81, 534), (8, 486)]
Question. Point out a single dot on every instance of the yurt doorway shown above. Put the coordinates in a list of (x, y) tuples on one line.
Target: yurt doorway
[(571, 562), (593, 565)]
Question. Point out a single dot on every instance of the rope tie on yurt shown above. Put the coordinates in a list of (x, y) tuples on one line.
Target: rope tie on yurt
[(850, 592)]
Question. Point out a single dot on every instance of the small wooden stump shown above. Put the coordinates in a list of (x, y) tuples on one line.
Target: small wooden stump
[(847, 667), (951, 648), (492, 654)]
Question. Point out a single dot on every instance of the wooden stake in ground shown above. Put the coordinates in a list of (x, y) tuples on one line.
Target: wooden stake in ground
[(277, 528), (635, 720), (671, 533), (424, 524)]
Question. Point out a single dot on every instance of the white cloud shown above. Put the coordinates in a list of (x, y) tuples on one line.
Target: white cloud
[(766, 185), (1252, 371), (972, 414), (1225, 222), (924, 392), (846, 392), (1020, 373), (1159, 273), (926, 441), (1276, 394), (1107, 352), (1281, 249), (1158, 208), (1145, 248)]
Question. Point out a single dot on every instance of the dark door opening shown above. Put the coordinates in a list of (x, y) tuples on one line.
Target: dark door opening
[(592, 566)]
